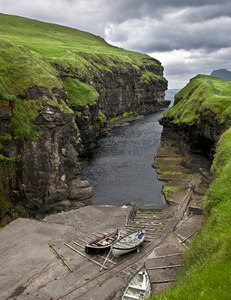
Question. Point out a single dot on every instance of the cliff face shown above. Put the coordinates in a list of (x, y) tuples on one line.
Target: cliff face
[(52, 108), (42, 174), (121, 88), (201, 113)]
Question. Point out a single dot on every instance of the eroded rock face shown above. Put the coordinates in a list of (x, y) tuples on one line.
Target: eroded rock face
[(51, 166), (47, 175), (120, 90), (195, 141), (123, 90)]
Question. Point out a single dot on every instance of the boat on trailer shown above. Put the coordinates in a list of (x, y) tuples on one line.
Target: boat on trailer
[(128, 243), (139, 286), (103, 243)]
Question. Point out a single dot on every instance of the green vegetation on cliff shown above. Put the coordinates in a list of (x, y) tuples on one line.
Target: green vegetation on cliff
[(56, 79), (38, 54), (208, 260), (202, 95)]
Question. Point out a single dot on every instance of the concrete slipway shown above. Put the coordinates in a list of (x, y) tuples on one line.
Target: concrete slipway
[(30, 268)]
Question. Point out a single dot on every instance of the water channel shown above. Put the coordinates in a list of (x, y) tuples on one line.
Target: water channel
[(120, 167)]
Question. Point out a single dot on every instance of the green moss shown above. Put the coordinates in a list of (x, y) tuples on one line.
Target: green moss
[(222, 155), (150, 76), (101, 119), (10, 160), (208, 260), (202, 95), (172, 190), (23, 119), (80, 93), (220, 189), (9, 211), (21, 69), (4, 95)]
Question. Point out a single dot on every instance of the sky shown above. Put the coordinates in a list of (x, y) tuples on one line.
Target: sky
[(187, 37)]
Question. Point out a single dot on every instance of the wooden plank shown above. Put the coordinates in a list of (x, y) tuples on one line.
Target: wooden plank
[(88, 258), (189, 236), (163, 281), (60, 256), (97, 254), (82, 240), (81, 246), (164, 267), (163, 256)]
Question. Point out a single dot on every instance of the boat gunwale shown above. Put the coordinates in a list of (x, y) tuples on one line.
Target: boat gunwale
[(130, 280), (88, 245)]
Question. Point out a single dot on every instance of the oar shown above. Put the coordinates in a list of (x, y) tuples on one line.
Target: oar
[(105, 238), (106, 258)]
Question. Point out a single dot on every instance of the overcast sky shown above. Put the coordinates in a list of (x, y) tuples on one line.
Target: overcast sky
[(187, 37)]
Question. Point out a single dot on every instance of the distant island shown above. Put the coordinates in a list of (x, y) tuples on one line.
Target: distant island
[(222, 73)]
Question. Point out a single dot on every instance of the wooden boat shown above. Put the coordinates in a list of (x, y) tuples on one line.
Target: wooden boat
[(139, 286), (102, 244), (128, 243)]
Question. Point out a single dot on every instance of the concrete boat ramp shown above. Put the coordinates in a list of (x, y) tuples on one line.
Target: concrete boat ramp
[(36, 262), (30, 268)]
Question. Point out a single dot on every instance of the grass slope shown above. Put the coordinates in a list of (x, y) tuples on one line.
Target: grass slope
[(207, 262), (29, 51), (203, 94), (38, 45)]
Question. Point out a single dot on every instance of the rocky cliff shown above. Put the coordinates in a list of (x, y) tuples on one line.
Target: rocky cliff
[(58, 90), (200, 114), (221, 73)]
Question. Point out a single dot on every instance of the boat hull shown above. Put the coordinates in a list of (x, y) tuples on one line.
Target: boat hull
[(128, 243), (138, 287), (94, 247)]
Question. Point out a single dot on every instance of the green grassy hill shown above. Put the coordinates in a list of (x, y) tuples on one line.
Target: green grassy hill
[(207, 262), (34, 53), (43, 45), (75, 76), (203, 95)]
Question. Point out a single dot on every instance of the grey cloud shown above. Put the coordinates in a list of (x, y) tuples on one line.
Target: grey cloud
[(148, 26)]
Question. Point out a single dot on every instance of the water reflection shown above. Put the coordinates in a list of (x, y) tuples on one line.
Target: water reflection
[(120, 168)]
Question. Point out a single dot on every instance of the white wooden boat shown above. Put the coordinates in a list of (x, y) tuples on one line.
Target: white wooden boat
[(139, 286), (128, 243)]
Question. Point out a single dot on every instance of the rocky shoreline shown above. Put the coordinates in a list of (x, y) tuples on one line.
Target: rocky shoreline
[(36, 273)]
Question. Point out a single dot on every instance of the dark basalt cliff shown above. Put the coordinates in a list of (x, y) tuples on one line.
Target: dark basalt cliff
[(50, 111)]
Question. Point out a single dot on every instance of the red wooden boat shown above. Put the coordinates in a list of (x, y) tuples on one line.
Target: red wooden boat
[(102, 244)]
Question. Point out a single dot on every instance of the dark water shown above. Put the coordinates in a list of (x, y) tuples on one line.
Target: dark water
[(120, 168)]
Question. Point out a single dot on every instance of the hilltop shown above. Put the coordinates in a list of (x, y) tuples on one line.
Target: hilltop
[(222, 73)]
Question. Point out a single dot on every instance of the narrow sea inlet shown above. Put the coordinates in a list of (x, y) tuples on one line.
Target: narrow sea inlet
[(120, 167)]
